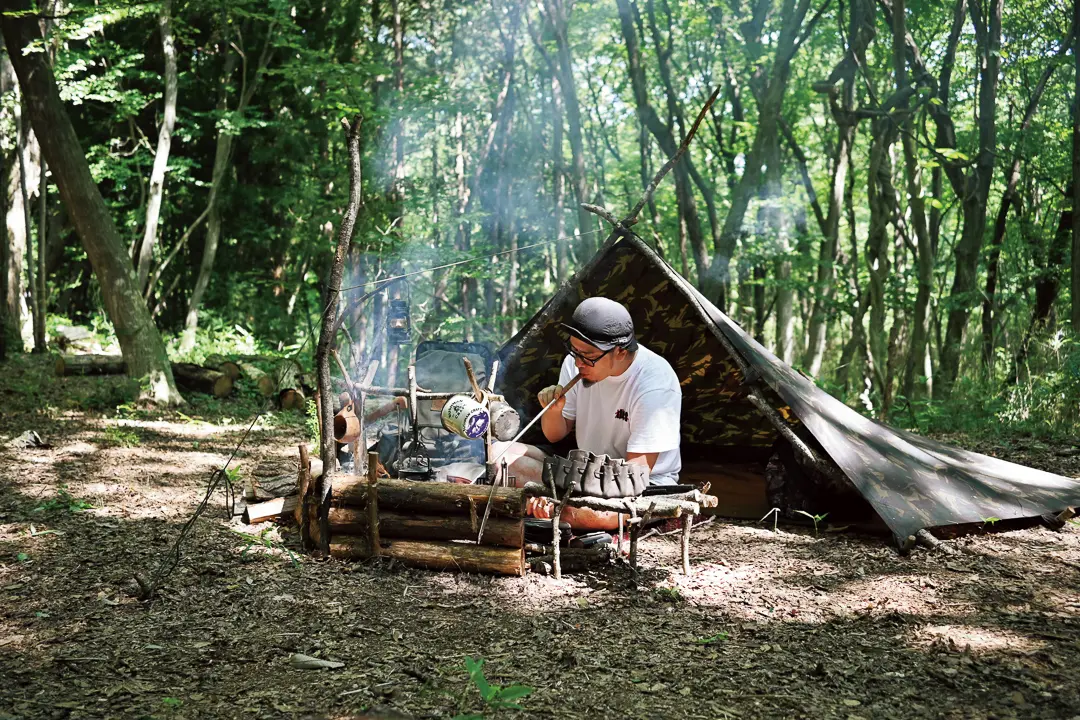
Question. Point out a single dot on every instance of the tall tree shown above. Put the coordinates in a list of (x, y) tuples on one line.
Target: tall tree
[(164, 144), (140, 342)]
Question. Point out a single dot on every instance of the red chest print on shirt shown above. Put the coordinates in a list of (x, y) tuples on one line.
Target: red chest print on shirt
[(622, 415)]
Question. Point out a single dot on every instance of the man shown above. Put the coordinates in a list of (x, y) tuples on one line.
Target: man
[(627, 405)]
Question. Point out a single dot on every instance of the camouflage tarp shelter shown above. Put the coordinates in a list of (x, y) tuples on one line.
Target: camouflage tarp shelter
[(910, 482)]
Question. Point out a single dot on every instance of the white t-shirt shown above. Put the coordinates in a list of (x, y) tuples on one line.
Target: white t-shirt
[(636, 412)]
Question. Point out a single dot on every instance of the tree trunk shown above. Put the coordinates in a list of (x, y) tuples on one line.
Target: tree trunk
[(14, 250), (22, 132), (161, 157), (558, 12), (917, 206), (877, 248), (1074, 263), (684, 192), (328, 329), (826, 271), (42, 286), (139, 339), (219, 178), (974, 193), (769, 107)]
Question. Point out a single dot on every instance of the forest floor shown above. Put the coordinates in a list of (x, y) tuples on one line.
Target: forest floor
[(784, 624)]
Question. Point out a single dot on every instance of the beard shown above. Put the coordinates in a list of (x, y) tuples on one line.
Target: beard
[(588, 383)]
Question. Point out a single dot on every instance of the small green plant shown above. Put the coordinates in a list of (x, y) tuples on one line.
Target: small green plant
[(495, 697), (119, 437), (990, 520), (669, 594), (816, 518), (263, 541), (234, 476), (718, 637), (63, 500), (172, 703), (22, 557), (312, 422)]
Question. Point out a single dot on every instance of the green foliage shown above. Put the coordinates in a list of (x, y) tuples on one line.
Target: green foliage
[(115, 436), (172, 703), (63, 501), (311, 422), (816, 518), (264, 540), (669, 594), (495, 697), (711, 639)]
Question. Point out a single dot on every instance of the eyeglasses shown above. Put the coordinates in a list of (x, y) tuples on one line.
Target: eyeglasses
[(590, 361)]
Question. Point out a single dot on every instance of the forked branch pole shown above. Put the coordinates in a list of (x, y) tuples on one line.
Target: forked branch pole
[(330, 312), (620, 226)]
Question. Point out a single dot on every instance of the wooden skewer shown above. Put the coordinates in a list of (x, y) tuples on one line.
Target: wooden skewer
[(558, 396)]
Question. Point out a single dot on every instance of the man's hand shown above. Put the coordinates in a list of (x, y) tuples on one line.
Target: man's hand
[(539, 507), (548, 394)]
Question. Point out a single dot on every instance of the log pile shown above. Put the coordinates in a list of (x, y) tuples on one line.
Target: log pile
[(285, 381), (420, 524), (189, 377)]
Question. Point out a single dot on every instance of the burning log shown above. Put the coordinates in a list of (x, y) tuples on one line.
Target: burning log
[(435, 555), (430, 498), (503, 532)]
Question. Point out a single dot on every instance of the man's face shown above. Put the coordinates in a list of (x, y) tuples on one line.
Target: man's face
[(585, 352)]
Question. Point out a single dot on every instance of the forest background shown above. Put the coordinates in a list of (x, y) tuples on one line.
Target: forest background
[(882, 193)]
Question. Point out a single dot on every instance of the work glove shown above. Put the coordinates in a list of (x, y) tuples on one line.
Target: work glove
[(547, 395)]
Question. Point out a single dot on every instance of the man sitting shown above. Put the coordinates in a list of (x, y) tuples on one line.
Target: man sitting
[(627, 405)]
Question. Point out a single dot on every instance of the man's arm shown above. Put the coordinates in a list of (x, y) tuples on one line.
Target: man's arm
[(554, 425), (642, 458)]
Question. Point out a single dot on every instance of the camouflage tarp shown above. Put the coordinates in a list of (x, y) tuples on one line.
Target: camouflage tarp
[(912, 482)]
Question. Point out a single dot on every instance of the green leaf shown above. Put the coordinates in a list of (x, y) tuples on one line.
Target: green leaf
[(476, 674), (22, 557), (935, 101), (514, 692)]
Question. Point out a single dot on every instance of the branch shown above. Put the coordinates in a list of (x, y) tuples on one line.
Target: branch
[(631, 218)]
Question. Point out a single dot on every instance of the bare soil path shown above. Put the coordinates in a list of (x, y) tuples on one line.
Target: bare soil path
[(784, 624)]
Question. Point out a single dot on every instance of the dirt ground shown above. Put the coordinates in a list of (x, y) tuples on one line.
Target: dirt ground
[(784, 624)]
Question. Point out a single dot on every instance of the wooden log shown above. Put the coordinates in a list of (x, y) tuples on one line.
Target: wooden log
[(661, 507), (280, 508), (504, 532), (372, 495), (435, 555), (254, 374), (188, 376), (89, 365), (201, 379), (289, 388), (223, 364), (429, 498)]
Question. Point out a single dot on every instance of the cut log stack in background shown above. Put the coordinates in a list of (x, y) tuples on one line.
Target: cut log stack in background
[(283, 379)]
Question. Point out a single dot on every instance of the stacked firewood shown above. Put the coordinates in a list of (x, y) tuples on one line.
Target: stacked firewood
[(431, 525)]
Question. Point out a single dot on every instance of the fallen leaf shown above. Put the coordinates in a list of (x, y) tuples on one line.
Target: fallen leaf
[(306, 662), (852, 703)]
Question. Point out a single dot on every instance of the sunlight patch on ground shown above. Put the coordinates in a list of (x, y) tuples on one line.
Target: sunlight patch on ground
[(188, 429), (977, 639)]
